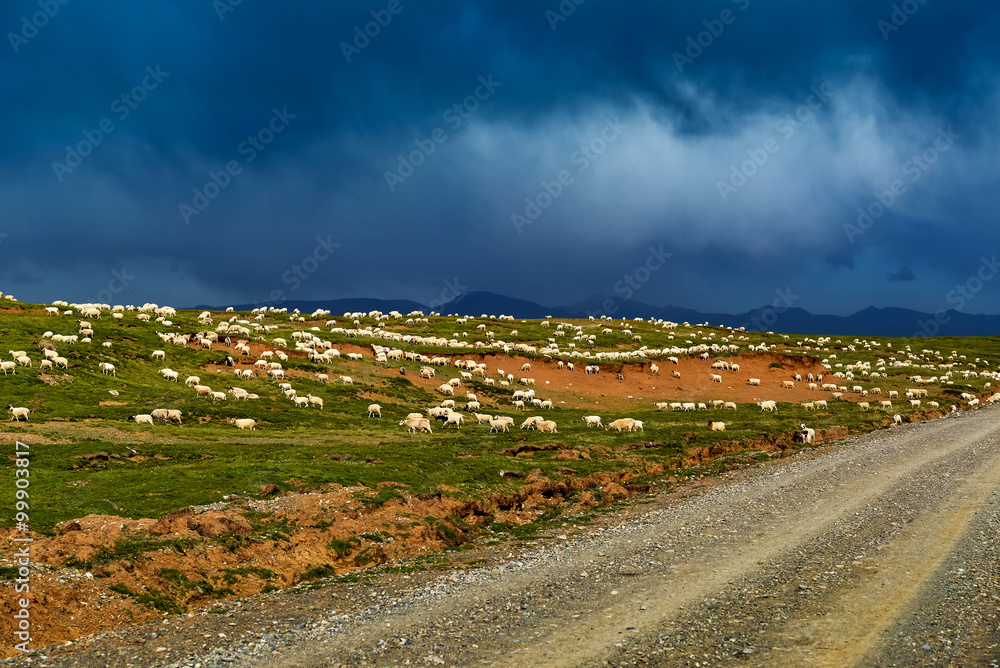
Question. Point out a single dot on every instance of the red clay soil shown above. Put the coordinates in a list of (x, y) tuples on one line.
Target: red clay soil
[(641, 387)]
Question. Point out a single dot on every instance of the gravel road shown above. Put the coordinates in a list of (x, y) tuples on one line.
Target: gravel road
[(880, 551)]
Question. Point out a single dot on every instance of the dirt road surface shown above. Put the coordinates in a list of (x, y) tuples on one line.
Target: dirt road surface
[(880, 551)]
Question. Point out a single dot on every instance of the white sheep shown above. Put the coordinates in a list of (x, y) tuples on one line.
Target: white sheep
[(16, 413), (414, 425), (159, 355), (246, 423), (144, 418), (8, 366), (897, 419), (499, 425), (807, 434), (107, 368), (315, 401), (592, 420), (169, 374), (374, 410), (717, 426), (547, 426)]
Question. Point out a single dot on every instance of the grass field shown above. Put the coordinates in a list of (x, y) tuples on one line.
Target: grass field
[(89, 458)]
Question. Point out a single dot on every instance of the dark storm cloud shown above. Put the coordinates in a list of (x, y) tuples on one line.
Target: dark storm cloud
[(904, 274), (763, 145)]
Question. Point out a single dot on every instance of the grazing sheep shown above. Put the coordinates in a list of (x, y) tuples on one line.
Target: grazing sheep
[(301, 401), (159, 355), (446, 389), (144, 418), (788, 384), (545, 404), (159, 413), (638, 426), (729, 406), (897, 419), (546, 426), (715, 378), (455, 419), (675, 374), (593, 420), (914, 402), (885, 404), (653, 369), (499, 425), (621, 424), (279, 374), (448, 403), (374, 410), (933, 404), (191, 381), (809, 406), (414, 425), (472, 406), (107, 368), (716, 426), (529, 423), (169, 374), (217, 396), (23, 360), (8, 366), (322, 377), (16, 413), (174, 414), (771, 406), (821, 403), (315, 401), (482, 418), (245, 423), (45, 364), (807, 434), (753, 381), (864, 405), (893, 394)]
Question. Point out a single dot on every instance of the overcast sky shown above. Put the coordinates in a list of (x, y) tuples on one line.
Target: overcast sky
[(700, 154)]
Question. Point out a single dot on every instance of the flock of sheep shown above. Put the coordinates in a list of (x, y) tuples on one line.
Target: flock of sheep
[(238, 332)]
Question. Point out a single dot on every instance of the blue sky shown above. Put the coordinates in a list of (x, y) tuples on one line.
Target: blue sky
[(210, 152)]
